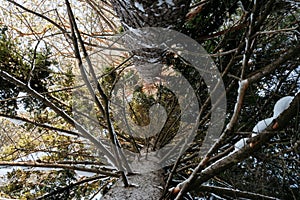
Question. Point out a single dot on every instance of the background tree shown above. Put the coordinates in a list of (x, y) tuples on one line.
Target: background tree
[(255, 45)]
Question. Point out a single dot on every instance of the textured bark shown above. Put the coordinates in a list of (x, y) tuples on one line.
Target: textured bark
[(143, 13), (144, 185), (156, 13)]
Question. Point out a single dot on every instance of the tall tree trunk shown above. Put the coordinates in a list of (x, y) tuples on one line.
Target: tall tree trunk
[(138, 14), (144, 186), (156, 13)]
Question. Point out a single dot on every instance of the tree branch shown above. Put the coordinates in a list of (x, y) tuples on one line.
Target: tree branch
[(256, 142), (55, 165), (60, 190), (60, 112), (234, 192), (41, 16), (116, 147), (40, 125), (290, 54)]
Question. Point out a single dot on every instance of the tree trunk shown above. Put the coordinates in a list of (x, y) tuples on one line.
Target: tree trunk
[(144, 185), (147, 185), (156, 13)]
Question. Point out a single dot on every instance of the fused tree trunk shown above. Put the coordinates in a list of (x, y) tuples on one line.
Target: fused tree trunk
[(146, 185)]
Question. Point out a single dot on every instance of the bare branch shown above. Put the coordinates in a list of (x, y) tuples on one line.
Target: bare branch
[(104, 109), (60, 112), (60, 190), (290, 54), (285, 30), (234, 193), (23, 119), (41, 16), (55, 165)]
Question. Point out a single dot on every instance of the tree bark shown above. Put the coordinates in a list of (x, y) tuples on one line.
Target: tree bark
[(157, 13), (143, 185), (133, 15)]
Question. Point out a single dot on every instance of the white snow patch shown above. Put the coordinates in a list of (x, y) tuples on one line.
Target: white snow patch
[(17, 122), (84, 174), (139, 6), (281, 105), (98, 196), (240, 144), (31, 157), (160, 2), (241, 86), (262, 125), (170, 2), (110, 162)]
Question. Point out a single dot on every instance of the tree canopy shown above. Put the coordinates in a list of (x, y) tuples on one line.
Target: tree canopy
[(87, 111)]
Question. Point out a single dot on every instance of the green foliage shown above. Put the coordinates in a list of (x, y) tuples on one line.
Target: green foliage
[(29, 184), (221, 27), (33, 67), (139, 106), (141, 103), (108, 80), (169, 101), (210, 19), (44, 146)]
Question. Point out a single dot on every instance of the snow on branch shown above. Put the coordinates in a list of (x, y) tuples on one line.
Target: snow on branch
[(182, 187), (239, 102), (219, 166)]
